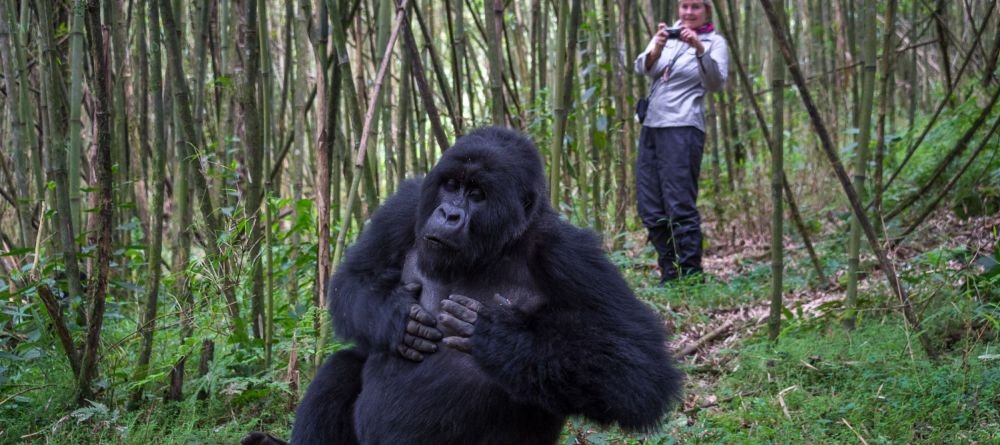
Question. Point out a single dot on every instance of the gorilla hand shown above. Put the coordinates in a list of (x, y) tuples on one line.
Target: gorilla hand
[(458, 316), (421, 334)]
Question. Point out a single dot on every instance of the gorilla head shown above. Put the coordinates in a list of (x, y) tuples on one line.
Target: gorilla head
[(479, 199)]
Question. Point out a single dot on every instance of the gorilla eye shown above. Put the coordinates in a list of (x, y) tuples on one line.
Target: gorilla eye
[(451, 185), (476, 194)]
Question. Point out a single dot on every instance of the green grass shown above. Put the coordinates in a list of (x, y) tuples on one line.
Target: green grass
[(826, 376), (870, 378)]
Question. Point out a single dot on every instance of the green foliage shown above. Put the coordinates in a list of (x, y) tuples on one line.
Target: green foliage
[(978, 191)]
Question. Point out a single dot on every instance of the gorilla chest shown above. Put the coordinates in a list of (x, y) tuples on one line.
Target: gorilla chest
[(508, 281)]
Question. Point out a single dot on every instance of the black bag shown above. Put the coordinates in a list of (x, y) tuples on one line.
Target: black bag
[(641, 107)]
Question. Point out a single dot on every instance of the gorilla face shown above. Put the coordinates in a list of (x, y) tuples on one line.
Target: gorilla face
[(478, 200)]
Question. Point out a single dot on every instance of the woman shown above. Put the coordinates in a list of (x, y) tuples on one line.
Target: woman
[(683, 66)]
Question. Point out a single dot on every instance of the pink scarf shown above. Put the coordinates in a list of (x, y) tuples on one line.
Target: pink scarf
[(708, 27)]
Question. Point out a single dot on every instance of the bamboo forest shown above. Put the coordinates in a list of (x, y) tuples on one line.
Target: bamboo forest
[(227, 220)]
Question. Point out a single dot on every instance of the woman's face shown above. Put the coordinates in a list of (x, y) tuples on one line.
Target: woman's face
[(693, 13)]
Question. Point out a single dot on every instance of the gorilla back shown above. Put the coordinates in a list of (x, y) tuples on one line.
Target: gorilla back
[(482, 317)]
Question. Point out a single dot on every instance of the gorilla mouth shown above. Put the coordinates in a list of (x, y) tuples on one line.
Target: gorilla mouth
[(436, 242)]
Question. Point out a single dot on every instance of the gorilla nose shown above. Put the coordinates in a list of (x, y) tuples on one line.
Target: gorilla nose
[(451, 215)]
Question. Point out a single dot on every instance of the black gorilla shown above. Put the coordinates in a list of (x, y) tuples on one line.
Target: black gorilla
[(480, 317)]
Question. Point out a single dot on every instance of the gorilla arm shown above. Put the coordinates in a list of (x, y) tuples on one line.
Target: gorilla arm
[(368, 302), (593, 349)]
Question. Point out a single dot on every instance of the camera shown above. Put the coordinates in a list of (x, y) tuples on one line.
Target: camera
[(673, 33)]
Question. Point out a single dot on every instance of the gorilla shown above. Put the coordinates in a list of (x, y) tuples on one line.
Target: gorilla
[(480, 317)]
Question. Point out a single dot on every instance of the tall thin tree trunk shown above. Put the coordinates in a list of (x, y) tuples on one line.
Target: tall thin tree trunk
[(105, 201), (884, 98), (301, 141), (569, 20), (623, 87), (253, 140), (182, 204), (941, 25), (494, 36), (385, 11), (115, 13), (777, 175), (322, 178), (75, 150), (24, 105), (56, 126), (147, 324), (17, 140), (457, 60), (225, 103), (861, 158), (267, 139)]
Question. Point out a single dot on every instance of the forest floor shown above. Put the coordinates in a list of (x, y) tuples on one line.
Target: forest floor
[(820, 383)]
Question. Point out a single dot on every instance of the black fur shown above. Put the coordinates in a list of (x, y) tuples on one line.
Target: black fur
[(567, 337)]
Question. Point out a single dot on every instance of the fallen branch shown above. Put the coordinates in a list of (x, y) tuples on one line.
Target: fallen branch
[(689, 349)]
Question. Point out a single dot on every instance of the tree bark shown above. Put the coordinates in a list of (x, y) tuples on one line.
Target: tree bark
[(105, 201), (253, 141)]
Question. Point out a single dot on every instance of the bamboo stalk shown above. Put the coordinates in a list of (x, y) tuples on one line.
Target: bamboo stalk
[(780, 33), (861, 160), (147, 325)]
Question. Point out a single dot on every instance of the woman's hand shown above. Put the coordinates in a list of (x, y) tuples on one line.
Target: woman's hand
[(661, 35), (691, 38)]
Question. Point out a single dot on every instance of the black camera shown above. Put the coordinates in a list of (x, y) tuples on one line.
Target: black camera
[(673, 33)]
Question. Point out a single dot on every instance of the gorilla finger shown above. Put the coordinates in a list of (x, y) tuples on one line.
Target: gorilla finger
[(463, 344), (410, 354), (412, 287), (419, 314), (419, 344), (501, 300), (432, 334), (463, 313), (467, 302), (456, 325)]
